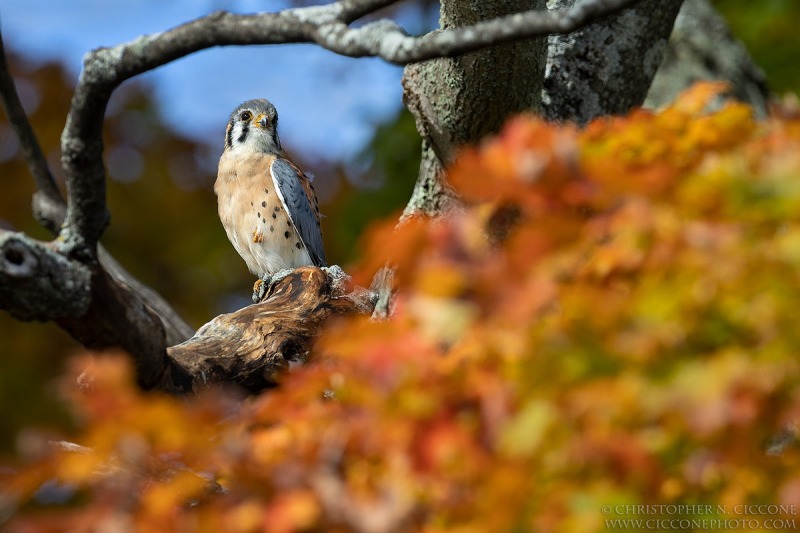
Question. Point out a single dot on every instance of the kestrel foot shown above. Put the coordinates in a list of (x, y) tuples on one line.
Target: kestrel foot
[(337, 278), (260, 288), (263, 286)]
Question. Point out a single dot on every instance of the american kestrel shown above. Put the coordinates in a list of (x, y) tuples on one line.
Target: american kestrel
[(266, 203)]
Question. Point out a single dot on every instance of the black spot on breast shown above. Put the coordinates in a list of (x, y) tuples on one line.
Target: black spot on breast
[(274, 215), (286, 234), (297, 245), (272, 228), (258, 215), (266, 191), (263, 204), (264, 220), (277, 208)]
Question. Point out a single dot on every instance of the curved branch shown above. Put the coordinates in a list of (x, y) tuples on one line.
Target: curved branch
[(49, 207), (106, 68), (48, 204)]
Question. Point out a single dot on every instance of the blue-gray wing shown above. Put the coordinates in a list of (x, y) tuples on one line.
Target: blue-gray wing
[(293, 189)]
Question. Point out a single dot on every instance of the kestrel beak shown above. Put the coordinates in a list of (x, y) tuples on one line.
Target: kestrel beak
[(261, 121)]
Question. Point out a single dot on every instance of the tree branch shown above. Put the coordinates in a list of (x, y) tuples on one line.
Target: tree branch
[(49, 207), (247, 347), (36, 283), (533, 23), (352, 10), (176, 328), (48, 204)]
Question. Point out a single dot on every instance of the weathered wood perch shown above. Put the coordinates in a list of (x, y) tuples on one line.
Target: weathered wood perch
[(249, 346)]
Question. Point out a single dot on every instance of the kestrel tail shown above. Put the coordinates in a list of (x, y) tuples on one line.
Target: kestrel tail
[(267, 205)]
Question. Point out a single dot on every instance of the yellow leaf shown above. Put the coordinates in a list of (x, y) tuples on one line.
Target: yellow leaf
[(526, 431)]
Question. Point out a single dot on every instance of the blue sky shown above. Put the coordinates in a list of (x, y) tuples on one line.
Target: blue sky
[(328, 104)]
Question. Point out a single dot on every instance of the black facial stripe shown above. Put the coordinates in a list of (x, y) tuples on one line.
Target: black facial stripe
[(243, 135), (274, 131), (229, 136)]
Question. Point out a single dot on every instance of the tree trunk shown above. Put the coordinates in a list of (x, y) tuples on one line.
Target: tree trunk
[(702, 48), (605, 68), (460, 100)]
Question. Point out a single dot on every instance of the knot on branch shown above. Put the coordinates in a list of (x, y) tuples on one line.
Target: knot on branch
[(37, 283), (17, 260)]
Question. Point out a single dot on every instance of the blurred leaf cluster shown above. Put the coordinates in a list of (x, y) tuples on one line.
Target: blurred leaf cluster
[(610, 321)]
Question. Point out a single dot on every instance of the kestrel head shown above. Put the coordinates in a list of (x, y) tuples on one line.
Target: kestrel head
[(253, 126)]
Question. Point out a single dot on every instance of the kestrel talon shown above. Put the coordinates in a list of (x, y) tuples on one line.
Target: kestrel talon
[(267, 205)]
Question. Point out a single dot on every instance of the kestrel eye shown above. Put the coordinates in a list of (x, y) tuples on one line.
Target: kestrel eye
[(246, 116)]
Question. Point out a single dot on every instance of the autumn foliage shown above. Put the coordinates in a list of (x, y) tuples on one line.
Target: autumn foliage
[(611, 320)]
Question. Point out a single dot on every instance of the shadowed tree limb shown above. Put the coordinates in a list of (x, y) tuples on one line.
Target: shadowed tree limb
[(247, 347), (36, 283), (49, 209)]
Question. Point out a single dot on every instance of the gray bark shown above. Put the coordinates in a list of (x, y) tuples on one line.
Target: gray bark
[(39, 284), (460, 100), (702, 48), (604, 68), (608, 66)]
